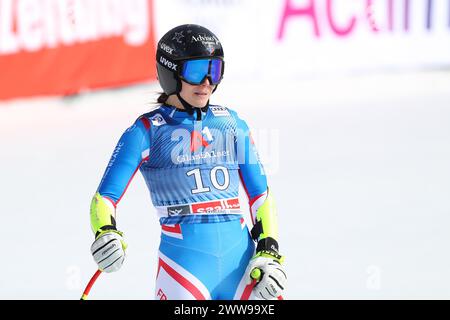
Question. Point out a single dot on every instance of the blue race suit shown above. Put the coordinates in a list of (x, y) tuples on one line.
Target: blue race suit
[(193, 170)]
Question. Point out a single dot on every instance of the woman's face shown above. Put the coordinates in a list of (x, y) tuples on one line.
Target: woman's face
[(197, 95)]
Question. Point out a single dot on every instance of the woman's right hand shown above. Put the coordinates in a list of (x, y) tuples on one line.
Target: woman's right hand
[(267, 272), (108, 250)]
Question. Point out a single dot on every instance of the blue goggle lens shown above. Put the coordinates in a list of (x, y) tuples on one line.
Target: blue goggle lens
[(216, 70), (195, 71)]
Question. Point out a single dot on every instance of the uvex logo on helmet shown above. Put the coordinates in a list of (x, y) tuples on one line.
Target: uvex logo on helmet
[(168, 64), (166, 48)]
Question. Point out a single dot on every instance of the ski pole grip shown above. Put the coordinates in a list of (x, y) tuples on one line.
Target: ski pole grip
[(255, 274)]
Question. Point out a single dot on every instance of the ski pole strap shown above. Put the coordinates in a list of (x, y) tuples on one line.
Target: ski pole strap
[(104, 228), (271, 254), (256, 230), (267, 244)]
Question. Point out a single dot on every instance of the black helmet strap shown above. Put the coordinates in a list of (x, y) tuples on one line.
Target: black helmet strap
[(190, 109)]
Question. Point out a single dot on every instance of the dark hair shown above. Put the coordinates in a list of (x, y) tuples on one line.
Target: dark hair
[(162, 98)]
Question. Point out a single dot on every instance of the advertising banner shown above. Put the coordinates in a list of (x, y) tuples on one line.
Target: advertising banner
[(59, 47), (289, 39)]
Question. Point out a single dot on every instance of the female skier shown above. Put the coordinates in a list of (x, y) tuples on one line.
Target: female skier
[(192, 155)]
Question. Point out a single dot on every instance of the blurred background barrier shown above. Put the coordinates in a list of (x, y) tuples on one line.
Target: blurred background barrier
[(53, 47), (295, 39), (348, 101)]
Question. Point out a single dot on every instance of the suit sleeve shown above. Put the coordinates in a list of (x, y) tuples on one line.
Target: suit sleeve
[(251, 170), (130, 152), (261, 202)]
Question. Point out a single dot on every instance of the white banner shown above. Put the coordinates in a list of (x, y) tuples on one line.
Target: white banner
[(304, 38)]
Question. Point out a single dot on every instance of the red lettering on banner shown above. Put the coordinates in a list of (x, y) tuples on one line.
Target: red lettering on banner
[(310, 11), (380, 15), (8, 42), (46, 23), (74, 45), (340, 31), (290, 12)]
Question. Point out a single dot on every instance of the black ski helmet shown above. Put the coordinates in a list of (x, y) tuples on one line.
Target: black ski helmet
[(185, 42)]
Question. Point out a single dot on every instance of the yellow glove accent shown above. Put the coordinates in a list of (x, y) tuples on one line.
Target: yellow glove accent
[(270, 254), (124, 244), (102, 213), (267, 215)]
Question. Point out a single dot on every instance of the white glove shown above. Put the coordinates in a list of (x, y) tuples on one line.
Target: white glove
[(271, 277), (108, 251)]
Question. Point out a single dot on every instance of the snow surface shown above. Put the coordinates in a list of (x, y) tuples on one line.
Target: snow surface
[(359, 166)]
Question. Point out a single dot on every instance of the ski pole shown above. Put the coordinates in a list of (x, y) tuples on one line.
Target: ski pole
[(90, 284), (255, 275)]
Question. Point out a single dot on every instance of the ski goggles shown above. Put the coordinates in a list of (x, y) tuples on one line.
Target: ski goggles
[(196, 71)]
